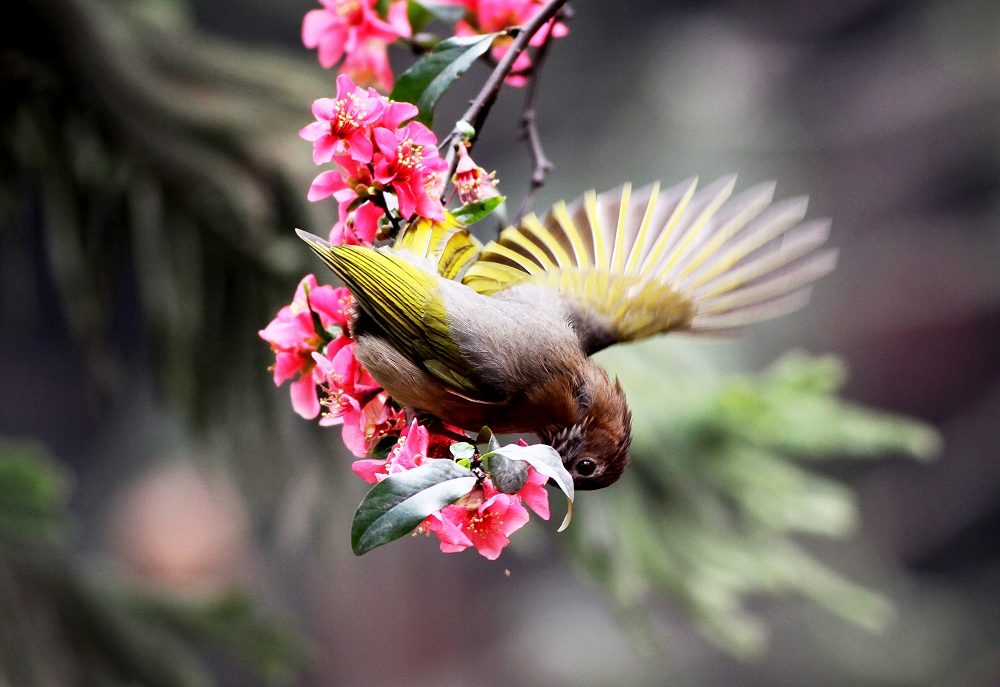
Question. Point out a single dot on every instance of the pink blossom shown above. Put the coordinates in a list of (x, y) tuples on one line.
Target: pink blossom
[(409, 452), (369, 64), (534, 494), (358, 228), (349, 388), (410, 163), (293, 338), (447, 525), (343, 123), (378, 418), (486, 518), (471, 181), (344, 25), (343, 183), (395, 113)]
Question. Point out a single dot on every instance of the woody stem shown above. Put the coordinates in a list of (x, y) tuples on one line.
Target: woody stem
[(479, 108)]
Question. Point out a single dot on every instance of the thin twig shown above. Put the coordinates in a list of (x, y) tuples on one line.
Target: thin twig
[(481, 105), (529, 129)]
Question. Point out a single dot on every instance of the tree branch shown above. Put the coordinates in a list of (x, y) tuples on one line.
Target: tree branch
[(481, 105), (529, 129)]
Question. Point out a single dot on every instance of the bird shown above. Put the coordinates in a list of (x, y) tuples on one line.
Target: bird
[(502, 334)]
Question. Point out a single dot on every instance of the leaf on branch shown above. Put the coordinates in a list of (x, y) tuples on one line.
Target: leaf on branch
[(401, 501), (462, 450), (545, 460), (473, 212), (426, 81)]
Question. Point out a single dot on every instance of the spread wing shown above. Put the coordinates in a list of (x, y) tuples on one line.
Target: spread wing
[(404, 303), (637, 263)]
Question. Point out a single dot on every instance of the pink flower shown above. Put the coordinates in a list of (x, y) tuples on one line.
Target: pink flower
[(471, 180), (369, 64), (447, 525), (343, 124), (343, 183), (358, 228), (294, 338), (344, 25), (534, 494), (395, 113), (409, 452), (349, 388), (411, 164), (485, 518), (378, 418)]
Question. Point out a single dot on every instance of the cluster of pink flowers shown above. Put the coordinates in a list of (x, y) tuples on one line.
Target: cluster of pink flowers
[(353, 30), (376, 150), (484, 518), (310, 341)]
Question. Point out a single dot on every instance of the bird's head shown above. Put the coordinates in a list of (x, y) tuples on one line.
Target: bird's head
[(595, 449)]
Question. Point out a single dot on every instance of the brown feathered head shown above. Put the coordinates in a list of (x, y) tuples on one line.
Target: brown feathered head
[(595, 449)]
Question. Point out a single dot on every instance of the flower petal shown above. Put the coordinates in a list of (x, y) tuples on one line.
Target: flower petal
[(305, 401)]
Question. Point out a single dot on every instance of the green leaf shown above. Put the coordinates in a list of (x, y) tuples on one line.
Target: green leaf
[(546, 460), (421, 14), (425, 82), (465, 128), (418, 15), (485, 434), (462, 450), (401, 501), (509, 476), (473, 212)]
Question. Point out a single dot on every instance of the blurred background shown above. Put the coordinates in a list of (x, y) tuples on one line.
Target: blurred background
[(190, 529)]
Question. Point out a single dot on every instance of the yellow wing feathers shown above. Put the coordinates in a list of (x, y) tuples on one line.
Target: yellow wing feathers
[(448, 245), (652, 260)]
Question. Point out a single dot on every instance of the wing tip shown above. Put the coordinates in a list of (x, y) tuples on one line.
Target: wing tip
[(312, 239)]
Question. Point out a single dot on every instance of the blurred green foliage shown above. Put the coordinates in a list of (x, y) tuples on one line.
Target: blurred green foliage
[(718, 490), (33, 493), (67, 623)]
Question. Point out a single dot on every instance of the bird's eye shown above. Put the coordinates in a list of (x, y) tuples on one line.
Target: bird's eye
[(586, 467)]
